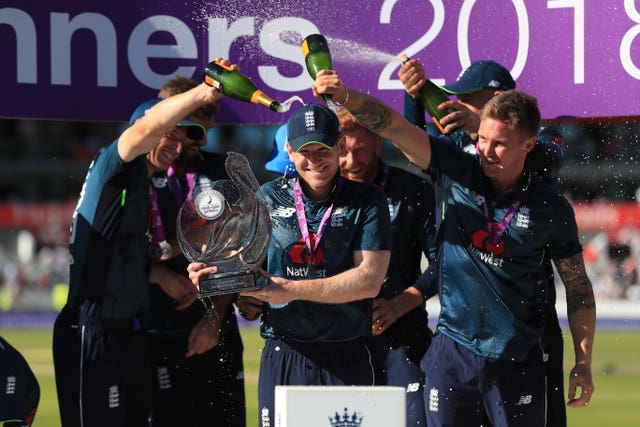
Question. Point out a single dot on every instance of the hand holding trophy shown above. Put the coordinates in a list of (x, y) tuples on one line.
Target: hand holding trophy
[(226, 224)]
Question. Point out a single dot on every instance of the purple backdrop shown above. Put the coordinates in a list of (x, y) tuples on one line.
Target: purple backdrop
[(90, 60)]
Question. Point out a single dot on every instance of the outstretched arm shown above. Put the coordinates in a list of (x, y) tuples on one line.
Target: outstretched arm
[(581, 311), (377, 116)]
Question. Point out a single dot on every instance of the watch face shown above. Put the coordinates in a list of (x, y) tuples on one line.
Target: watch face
[(210, 204)]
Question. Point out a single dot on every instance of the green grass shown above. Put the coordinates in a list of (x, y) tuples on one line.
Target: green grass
[(616, 371)]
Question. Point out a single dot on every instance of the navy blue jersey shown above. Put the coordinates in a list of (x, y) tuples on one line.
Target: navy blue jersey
[(162, 313), (492, 298), (359, 221), (411, 205), (108, 245)]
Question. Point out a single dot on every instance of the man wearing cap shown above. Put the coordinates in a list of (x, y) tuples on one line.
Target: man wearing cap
[(475, 86), (328, 256), (500, 221), (99, 352)]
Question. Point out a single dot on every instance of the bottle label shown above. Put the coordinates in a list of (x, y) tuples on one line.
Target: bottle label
[(212, 82), (210, 204)]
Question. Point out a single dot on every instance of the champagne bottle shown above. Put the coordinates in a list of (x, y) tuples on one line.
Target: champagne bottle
[(315, 51), (430, 96), (317, 57), (237, 86)]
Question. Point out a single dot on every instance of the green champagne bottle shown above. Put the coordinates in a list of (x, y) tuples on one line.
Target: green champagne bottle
[(237, 86), (315, 51), (431, 96), (317, 57)]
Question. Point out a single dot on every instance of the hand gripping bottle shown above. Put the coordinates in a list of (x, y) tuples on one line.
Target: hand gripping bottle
[(315, 51), (430, 96), (237, 86)]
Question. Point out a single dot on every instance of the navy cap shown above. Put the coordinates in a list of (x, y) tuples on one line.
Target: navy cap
[(313, 124), (278, 160), (481, 75), (195, 130), (547, 156)]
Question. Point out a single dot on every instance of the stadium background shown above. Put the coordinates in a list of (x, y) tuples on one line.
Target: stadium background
[(43, 163)]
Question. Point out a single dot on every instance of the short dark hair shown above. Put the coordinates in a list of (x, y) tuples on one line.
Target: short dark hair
[(514, 108), (180, 84)]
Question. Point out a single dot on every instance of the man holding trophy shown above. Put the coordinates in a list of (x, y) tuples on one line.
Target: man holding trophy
[(327, 257)]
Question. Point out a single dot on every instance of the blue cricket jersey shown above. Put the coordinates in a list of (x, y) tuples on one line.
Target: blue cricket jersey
[(108, 245), (410, 200), (359, 221), (492, 298)]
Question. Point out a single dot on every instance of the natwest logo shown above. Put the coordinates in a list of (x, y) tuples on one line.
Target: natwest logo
[(300, 255), (482, 241)]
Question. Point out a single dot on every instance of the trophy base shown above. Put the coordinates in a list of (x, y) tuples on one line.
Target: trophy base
[(228, 283)]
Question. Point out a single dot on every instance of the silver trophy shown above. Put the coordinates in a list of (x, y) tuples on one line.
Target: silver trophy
[(226, 224)]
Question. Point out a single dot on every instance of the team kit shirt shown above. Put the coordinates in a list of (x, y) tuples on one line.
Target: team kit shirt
[(492, 292), (108, 242), (410, 201), (359, 221)]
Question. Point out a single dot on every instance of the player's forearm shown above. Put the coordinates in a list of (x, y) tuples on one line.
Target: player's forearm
[(360, 282), (582, 324), (581, 305), (409, 299), (388, 123)]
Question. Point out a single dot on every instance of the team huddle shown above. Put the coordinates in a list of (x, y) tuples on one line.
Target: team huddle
[(342, 296)]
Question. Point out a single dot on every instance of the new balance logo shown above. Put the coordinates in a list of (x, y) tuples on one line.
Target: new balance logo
[(283, 212), (524, 400), (413, 387)]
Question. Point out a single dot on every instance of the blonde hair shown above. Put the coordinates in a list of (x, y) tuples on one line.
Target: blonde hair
[(516, 109)]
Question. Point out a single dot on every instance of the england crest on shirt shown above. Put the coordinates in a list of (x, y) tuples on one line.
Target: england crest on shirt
[(159, 181), (522, 219), (393, 208), (337, 217)]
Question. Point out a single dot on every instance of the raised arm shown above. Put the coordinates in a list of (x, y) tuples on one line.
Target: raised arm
[(581, 312), (146, 132), (377, 116)]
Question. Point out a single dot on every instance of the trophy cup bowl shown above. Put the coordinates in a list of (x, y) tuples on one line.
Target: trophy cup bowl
[(226, 224)]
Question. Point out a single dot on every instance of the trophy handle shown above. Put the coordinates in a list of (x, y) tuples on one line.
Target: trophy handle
[(239, 170)]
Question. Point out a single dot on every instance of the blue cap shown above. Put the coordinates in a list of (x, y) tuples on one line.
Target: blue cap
[(313, 124), (481, 75), (547, 156), (195, 130), (278, 160)]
